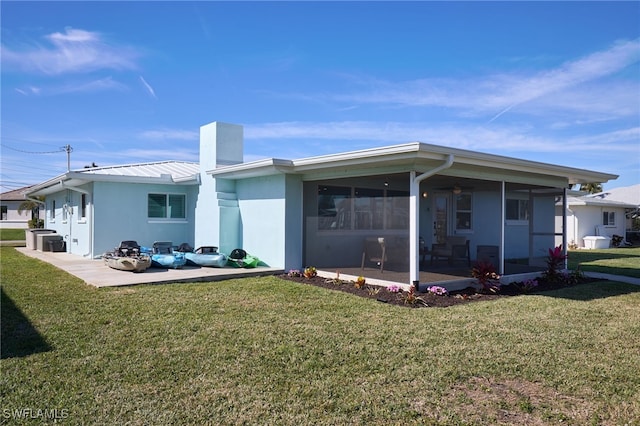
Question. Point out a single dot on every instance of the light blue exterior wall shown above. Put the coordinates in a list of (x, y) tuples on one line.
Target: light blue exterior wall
[(66, 218), (217, 215), (271, 219), (116, 212), (120, 212)]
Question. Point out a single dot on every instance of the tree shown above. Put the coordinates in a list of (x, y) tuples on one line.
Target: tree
[(591, 188), (34, 207)]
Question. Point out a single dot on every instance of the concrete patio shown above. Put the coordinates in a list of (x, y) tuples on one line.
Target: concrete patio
[(96, 273)]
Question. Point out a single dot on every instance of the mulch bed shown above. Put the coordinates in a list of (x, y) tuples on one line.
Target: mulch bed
[(426, 299)]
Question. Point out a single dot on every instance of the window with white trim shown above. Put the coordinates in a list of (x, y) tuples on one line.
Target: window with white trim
[(53, 209), (166, 206), (464, 212), (517, 210), (609, 218)]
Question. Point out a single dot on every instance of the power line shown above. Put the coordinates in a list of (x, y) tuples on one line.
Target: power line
[(37, 152)]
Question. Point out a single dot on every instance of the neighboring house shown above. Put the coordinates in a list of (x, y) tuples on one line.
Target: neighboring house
[(9, 204), (319, 211), (607, 212), (588, 216)]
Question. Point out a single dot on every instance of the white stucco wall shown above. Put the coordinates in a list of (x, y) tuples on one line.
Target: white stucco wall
[(15, 220), (584, 220)]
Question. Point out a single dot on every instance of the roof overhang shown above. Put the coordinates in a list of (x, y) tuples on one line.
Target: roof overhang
[(588, 201), (419, 157), (74, 179)]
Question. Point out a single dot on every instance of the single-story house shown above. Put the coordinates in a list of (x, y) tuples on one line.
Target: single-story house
[(10, 202), (317, 211), (599, 215)]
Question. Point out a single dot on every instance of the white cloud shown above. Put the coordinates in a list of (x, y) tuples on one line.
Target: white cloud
[(148, 87), (458, 135), (572, 83), (170, 134), (74, 51), (107, 83)]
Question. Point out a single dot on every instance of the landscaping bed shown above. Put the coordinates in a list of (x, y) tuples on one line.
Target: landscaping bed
[(435, 296)]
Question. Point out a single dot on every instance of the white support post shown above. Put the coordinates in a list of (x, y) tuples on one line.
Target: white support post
[(414, 229), (564, 228)]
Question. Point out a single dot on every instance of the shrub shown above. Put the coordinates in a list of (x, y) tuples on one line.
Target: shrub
[(486, 275), (310, 272), (335, 281), (410, 297), (527, 285), (35, 223), (360, 282), (372, 290), (555, 264)]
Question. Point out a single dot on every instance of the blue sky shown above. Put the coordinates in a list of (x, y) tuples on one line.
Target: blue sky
[(128, 82)]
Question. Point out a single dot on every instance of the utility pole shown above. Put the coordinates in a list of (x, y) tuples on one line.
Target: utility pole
[(68, 149)]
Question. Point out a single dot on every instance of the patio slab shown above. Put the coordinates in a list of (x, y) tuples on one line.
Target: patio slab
[(97, 274)]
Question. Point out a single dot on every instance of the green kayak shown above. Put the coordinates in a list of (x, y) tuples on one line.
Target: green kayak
[(241, 259)]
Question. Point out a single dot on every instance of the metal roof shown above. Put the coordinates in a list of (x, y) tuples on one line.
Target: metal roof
[(420, 157), (177, 169), (590, 201), (163, 172)]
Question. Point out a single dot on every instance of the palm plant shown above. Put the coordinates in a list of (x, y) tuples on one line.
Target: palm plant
[(591, 188), (32, 205)]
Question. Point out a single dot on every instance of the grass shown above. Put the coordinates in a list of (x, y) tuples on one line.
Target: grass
[(269, 351), (617, 261), (12, 234)]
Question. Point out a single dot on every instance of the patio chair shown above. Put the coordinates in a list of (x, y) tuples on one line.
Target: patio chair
[(128, 247), (375, 251), (163, 247), (454, 248)]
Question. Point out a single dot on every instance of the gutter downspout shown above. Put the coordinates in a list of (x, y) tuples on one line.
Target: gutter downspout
[(414, 218), (503, 221), (90, 218)]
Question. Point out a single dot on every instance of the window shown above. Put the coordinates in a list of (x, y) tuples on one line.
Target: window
[(166, 206), (334, 207), (397, 211), (463, 212), (344, 207), (369, 208), (609, 218), (517, 210), (83, 206), (53, 209), (3, 212)]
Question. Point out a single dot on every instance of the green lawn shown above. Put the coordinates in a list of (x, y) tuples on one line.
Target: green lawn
[(11, 234), (617, 261), (268, 351)]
